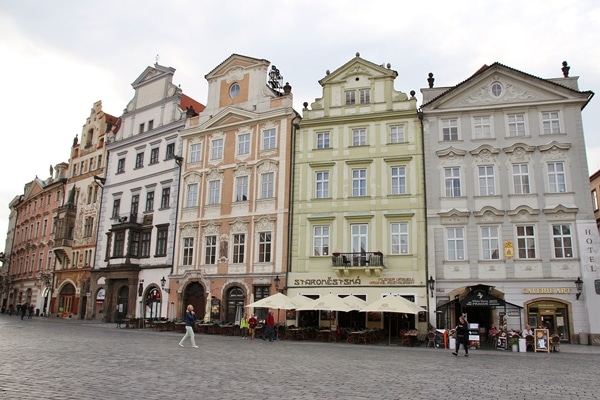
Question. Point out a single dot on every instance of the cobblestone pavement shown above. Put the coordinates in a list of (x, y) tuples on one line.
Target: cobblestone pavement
[(47, 358)]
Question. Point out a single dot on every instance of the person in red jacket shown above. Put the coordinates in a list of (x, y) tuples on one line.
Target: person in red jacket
[(269, 327), (252, 322)]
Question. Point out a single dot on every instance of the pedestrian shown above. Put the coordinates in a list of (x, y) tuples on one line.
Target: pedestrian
[(190, 320), (252, 322), (244, 325), (462, 335), (10, 309), (269, 327), (23, 310), (18, 309), (30, 311)]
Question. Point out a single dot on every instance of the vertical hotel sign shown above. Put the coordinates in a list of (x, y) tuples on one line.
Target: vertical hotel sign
[(589, 244)]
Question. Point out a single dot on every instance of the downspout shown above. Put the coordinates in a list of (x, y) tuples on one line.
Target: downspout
[(101, 181), (427, 272), (179, 162), (295, 127)]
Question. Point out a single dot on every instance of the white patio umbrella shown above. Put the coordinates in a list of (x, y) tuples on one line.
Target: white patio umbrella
[(277, 301), (207, 308), (331, 302), (394, 304)]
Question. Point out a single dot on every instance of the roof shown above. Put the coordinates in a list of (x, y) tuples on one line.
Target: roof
[(485, 67), (187, 101)]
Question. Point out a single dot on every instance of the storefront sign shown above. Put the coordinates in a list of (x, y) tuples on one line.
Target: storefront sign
[(546, 291), (480, 298), (330, 281)]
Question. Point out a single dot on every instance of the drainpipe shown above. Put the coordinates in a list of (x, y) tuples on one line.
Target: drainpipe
[(295, 127), (179, 162), (427, 272)]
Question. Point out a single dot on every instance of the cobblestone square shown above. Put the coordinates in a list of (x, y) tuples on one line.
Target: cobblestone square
[(46, 358)]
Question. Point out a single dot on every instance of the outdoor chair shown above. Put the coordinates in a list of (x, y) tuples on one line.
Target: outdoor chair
[(529, 342), (404, 338), (345, 261), (431, 339), (555, 343)]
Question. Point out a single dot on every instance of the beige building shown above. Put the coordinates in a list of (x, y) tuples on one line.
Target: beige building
[(358, 220), (232, 232)]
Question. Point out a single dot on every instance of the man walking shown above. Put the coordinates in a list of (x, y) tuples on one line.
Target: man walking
[(269, 327)]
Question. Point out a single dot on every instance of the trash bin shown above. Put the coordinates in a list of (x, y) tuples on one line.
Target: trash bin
[(439, 339), (452, 344), (583, 338), (522, 345)]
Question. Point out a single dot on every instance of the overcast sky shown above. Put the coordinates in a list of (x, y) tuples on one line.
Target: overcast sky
[(59, 57)]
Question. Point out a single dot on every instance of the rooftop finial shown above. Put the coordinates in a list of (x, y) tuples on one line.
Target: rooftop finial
[(430, 80), (565, 69)]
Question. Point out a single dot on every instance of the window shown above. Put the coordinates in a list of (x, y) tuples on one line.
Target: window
[(398, 175), (241, 188), (551, 122), (119, 244), (482, 128), (192, 195), (267, 185), (322, 184), (150, 124), (526, 241), (556, 177), (116, 208), (134, 246), (359, 137), (452, 181), (188, 251), (161, 240), (269, 139), (455, 240), (496, 89), (121, 166), (170, 151), (135, 203), (516, 124), (210, 250), (239, 243), (164, 200), (90, 193), (195, 152), (563, 242), (521, 178), (486, 180), (399, 237), (216, 151), (364, 96), (359, 182), (350, 97), (96, 190), (154, 156), (397, 134), (214, 192), (45, 227), (264, 247), (322, 140), (146, 238), (321, 241), (139, 160), (150, 201), (88, 226), (359, 236), (244, 144), (449, 129), (490, 243), (234, 90), (99, 161), (141, 128), (595, 200)]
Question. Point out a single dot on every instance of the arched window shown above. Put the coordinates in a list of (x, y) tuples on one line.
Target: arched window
[(235, 300), (153, 303)]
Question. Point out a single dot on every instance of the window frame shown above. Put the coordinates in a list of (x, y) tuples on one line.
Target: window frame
[(239, 248), (210, 250), (243, 147), (322, 184), (162, 236), (191, 198), (486, 181), (359, 182), (154, 153), (359, 137), (526, 242), (479, 127), (450, 130), (195, 152), (521, 177), (554, 177), (323, 140), (265, 247), (398, 180), (490, 242), (216, 149), (187, 251), (513, 121), (321, 239), (267, 185), (269, 139), (550, 123), (560, 239), (397, 134), (241, 188), (453, 253), (214, 192), (399, 238), (452, 183)]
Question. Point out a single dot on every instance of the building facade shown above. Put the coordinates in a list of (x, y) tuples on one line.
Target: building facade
[(234, 204), (508, 207), (76, 221), (358, 219), (136, 230)]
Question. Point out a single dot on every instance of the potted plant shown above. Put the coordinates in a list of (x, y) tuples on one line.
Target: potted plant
[(513, 343)]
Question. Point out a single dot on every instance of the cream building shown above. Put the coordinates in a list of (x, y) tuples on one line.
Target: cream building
[(510, 221), (358, 221), (232, 232)]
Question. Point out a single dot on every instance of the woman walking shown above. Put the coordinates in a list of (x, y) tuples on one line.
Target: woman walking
[(462, 335), (190, 320)]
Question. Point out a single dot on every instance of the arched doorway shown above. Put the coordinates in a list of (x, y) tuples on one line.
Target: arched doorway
[(99, 304), (235, 300), (122, 299), (551, 314), (153, 303), (194, 295), (66, 300)]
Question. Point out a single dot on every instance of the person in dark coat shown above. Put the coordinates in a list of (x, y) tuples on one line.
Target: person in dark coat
[(23, 310), (462, 336)]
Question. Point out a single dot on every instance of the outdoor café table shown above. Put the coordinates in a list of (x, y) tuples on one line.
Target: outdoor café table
[(356, 337), (227, 330), (296, 333), (413, 334), (323, 334)]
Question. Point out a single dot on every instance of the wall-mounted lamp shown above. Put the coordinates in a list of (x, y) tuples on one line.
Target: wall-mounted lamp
[(431, 283), (163, 281), (277, 281), (579, 287), (178, 160)]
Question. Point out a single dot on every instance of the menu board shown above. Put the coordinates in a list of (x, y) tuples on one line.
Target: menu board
[(541, 340)]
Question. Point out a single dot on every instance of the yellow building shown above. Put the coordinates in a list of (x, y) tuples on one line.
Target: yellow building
[(358, 219)]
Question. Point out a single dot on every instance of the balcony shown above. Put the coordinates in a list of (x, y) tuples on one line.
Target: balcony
[(127, 219), (369, 262)]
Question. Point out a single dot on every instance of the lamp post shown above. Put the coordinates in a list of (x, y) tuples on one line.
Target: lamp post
[(578, 287), (163, 282), (277, 280), (431, 283)]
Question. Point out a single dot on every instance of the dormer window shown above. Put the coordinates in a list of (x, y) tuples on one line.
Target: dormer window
[(234, 90)]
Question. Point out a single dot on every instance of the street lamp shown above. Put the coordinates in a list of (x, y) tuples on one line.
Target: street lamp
[(277, 281), (579, 287), (431, 283), (163, 281)]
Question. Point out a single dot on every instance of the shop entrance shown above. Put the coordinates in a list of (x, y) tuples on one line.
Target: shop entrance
[(551, 315)]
